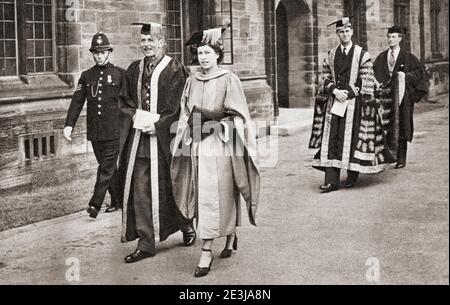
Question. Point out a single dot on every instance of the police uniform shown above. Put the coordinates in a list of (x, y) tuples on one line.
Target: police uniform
[(100, 86)]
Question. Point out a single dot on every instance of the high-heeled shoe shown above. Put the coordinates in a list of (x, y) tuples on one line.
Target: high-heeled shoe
[(203, 271), (226, 253)]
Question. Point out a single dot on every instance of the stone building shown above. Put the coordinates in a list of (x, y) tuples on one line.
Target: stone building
[(275, 46)]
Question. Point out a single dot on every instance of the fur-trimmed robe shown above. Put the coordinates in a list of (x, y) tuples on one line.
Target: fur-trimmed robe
[(354, 142)]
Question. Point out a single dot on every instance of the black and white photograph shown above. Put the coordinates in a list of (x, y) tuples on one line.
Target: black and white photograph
[(250, 143)]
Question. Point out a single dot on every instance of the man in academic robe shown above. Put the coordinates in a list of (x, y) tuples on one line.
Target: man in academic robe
[(346, 129), (154, 86), (401, 83)]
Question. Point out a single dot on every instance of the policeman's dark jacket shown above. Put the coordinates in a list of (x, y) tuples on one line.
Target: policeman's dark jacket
[(100, 85)]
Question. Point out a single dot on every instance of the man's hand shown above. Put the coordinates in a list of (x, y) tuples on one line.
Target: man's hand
[(341, 95), (150, 129), (67, 132)]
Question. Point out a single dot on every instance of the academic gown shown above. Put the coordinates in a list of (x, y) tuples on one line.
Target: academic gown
[(398, 115), (167, 83), (209, 176), (355, 141)]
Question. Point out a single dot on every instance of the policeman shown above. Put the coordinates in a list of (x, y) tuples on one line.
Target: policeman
[(100, 85)]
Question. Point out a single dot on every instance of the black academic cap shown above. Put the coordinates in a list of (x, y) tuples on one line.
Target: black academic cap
[(204, 36), (396, 29), (342, 23), (149, 27)]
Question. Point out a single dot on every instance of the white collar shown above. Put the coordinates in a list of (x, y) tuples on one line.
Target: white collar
[(348, 48), (396, 51)]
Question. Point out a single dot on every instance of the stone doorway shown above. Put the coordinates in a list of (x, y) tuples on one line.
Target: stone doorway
[(296, 54)]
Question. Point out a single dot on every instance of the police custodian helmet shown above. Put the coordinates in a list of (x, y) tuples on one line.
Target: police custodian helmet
[(100, 43)]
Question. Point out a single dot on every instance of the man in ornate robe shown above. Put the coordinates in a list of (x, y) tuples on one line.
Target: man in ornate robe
[(401, 83), (347, 126), (154, 85)]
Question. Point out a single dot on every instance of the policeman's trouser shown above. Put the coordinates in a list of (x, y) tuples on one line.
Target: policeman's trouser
[(106, 153)]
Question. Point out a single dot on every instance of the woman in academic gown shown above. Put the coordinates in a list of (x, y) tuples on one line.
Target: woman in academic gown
[(214, 153)]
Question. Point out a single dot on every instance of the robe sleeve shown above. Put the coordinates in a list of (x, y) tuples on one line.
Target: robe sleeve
[(327, 85), (171, 111), (378, 69), (366, 76), (415, 75), (126, 104), (245, 168), (235, 101), (415, 79)]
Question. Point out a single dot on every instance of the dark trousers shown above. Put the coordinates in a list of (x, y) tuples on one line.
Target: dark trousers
[(332, 175), (141, 189), (401, 153), (106, 153)]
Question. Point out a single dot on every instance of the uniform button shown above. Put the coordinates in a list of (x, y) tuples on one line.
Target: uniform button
[(148, 94), (100, 92), (99, 98), (101, 78), (148, 102), (101, 72), (100, 85), (99, 113), (99, 106)]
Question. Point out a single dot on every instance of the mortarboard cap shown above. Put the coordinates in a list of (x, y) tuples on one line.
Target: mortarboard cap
[(342, 23), (211, 36), (396, 29), (150, 28)]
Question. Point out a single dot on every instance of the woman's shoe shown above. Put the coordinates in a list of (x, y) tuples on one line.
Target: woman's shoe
[(203, 271), (226, 253)]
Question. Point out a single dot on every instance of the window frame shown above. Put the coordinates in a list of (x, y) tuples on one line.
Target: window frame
[(21, 42), (402, 20), (186, 31), (50, 85), (358, 10), (435, 10)]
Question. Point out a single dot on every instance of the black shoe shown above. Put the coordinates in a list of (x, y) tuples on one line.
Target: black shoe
[(328, 188), (93, 211), (136, 256), (350, 182), (189, 238), (203, 271), (400, 165), (111, 209), (226, 253)]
